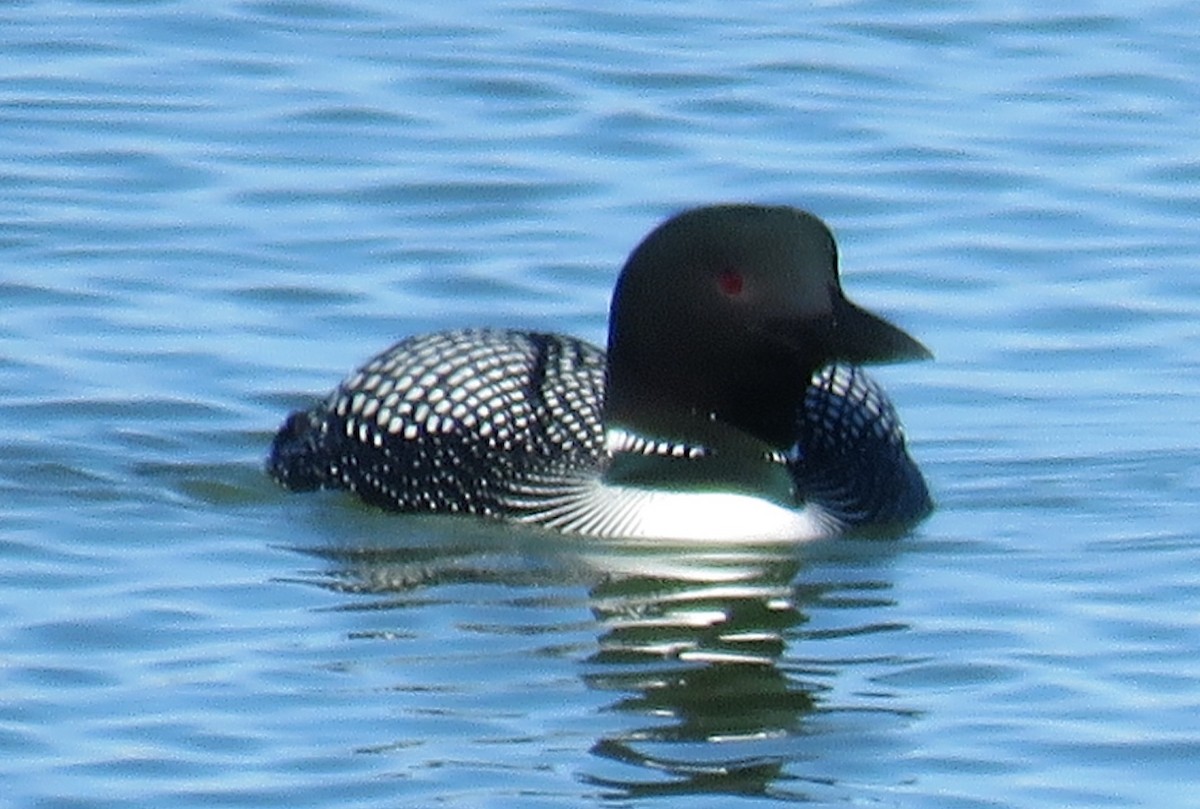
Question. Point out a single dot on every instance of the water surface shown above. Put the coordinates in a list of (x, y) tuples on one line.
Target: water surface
[(210, 213)]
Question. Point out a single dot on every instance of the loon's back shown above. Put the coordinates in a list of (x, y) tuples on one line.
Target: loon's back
[(449, 422), (501, 423)]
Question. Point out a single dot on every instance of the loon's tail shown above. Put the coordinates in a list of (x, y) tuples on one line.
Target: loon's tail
[(297, 453)]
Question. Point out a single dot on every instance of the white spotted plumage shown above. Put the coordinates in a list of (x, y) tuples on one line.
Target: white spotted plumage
[(507, 423)]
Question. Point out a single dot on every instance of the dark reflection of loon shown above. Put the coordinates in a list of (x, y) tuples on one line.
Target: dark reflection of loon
[(692, 638), (691, 642)]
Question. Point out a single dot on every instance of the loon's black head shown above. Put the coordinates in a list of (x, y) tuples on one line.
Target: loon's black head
[(724, 313)]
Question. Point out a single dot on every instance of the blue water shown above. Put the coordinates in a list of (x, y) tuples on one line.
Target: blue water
[(209, 213)]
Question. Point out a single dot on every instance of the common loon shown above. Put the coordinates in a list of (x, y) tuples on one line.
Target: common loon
[(729, 405)]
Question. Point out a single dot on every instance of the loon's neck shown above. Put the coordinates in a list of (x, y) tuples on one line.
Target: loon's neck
[(687, 451), (752, 398)]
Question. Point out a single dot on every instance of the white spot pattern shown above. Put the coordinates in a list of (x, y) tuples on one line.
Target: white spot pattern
[(441, 421), (508, 423)]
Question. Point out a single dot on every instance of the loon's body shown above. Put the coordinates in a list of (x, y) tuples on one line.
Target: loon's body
[(728, 405)]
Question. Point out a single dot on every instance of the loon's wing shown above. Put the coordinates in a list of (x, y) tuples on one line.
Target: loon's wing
[(851, 457), (446, 422)]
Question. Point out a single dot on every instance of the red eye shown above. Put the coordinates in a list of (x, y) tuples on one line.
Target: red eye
[(731, 282)]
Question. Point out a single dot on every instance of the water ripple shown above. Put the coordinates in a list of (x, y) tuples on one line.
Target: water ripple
[(210, 213)]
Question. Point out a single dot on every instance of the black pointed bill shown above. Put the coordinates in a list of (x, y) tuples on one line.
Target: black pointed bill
[(858, 336)]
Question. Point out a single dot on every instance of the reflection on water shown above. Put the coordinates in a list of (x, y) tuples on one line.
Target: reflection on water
[(692, 645), (695, 661)]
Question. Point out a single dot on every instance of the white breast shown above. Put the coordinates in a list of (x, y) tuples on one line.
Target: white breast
[(621, 511)]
